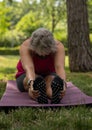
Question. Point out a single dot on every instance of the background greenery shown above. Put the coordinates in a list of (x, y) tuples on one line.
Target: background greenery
[(17, 21)]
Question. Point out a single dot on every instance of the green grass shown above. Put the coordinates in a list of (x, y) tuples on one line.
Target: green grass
[(79, 118), (74, 118), (8, 67)]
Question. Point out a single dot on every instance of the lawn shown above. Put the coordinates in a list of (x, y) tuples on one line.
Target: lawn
[(74, 118)]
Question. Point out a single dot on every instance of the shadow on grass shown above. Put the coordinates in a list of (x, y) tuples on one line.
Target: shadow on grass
[(67, 69), (7, 70), (2, 87), (7, 73)]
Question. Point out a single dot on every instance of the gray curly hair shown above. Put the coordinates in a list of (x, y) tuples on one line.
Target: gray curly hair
[(42, 42)]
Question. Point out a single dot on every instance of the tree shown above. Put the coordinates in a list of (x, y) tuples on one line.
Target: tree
[(80, 53), (54, 11), (8, 2), (29, 23), (90, 14), (4, 20)]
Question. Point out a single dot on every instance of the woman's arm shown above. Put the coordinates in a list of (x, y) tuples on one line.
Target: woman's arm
[(26, 59), (60, 61)]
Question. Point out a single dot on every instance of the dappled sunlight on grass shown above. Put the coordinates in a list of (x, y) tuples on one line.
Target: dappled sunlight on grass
[(8, 67)]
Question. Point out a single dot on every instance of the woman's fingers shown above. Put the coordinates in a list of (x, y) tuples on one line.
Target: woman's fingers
[(33, 93), (62, 94), (64, 90)]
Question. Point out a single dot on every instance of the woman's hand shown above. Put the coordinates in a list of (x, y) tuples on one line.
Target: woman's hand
[(64, 90), (33, 93)]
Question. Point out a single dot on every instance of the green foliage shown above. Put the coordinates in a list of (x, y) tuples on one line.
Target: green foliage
[(12, 38), (61, 33), (54, 11), (4, 19), (29, 23), (19, 19), (25, 17), (19, 10)]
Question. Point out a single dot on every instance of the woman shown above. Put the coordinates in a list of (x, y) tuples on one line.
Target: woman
[(41, 67)]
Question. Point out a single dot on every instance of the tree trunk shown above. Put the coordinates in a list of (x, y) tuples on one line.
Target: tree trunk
[(80, 53), (53, 19)]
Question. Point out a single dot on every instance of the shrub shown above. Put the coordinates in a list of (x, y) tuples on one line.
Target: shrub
[(11, 38), (29, 23), (9, 51)]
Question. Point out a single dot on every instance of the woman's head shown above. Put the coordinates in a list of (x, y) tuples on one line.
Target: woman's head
[(42, 42)]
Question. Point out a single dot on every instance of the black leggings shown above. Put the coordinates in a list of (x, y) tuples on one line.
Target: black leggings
[(20, 79)]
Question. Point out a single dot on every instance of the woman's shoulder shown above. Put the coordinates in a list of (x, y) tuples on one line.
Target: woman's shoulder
[(60, 49), (25, 48), (60, 45), (26, 42), (26, 45)]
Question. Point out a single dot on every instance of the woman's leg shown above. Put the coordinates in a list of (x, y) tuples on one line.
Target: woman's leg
[(39, 88), (48, 80), (57, 88), (20, 83), (54, 88)]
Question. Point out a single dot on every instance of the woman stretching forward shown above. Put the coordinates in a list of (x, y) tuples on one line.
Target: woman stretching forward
[(41, 67)]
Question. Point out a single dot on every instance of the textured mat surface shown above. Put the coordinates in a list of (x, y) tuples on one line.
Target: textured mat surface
[(12, 97)]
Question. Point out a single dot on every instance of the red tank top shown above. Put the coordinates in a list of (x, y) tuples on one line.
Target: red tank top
[(43, 66)]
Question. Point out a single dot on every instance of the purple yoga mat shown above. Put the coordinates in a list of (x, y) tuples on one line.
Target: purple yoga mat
[(12, 97)]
